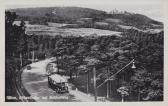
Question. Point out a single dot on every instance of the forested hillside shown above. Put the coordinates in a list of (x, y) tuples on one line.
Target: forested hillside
[(111, 53), (76, 54), (85, 17)]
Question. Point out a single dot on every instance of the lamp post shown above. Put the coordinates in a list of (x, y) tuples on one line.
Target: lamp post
[(112, 77)]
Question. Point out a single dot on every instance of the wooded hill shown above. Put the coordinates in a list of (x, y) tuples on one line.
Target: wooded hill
[(80, 15)]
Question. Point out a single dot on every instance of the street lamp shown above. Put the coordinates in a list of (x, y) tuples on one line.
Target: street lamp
[(133, 64), (112, 77)]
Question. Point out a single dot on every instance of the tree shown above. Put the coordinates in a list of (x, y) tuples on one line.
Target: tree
[(11, 37), (15, 43), (140, 80), (71, 64), (32, 46), (155, 89), (22, 42), (124, 91), (58, 53)]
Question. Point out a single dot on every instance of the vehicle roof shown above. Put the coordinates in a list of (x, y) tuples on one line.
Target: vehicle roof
[(57, 78)]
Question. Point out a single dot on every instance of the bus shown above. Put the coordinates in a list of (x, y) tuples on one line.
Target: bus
[(58, 83)]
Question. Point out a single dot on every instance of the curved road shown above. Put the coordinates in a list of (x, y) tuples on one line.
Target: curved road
[(35, 82), (21, 92)]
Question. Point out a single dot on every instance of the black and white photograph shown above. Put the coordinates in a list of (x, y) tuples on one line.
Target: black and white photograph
[(85, 51)]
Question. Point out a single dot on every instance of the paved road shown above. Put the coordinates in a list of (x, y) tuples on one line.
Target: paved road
[(36, 83)]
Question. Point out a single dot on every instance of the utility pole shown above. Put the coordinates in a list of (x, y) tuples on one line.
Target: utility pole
[(33, 56), (21, 62), (87, 82), (107, 83), (95, 88)]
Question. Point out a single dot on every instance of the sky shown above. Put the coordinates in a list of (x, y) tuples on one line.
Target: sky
[(150, 8)]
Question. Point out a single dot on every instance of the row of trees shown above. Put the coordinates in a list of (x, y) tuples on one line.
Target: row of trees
[(112, 53)]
